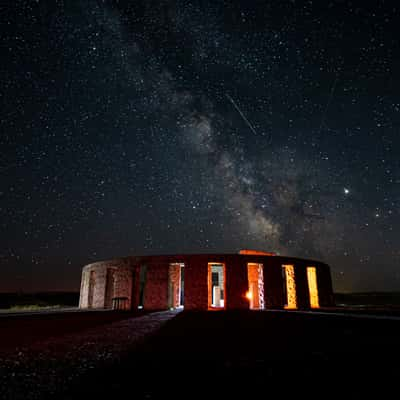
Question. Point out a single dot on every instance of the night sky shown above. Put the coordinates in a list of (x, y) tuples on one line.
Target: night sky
[(161, 127)]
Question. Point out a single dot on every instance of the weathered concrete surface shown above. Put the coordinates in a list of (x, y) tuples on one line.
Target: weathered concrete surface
[(105, 282)]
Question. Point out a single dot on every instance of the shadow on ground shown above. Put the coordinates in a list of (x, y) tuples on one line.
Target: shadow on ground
[(25, 329), (218, 355)]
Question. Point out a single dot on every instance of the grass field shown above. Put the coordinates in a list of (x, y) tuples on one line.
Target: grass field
[(39, 300)]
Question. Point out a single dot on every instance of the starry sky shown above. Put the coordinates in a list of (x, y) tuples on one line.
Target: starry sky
[(161, 127)]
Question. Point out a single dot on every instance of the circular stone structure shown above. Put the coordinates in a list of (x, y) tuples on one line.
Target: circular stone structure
[(250, 279)]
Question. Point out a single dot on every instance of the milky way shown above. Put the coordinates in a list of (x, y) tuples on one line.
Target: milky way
[(167, 127)]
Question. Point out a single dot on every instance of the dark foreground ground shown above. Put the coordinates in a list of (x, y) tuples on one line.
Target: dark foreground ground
[(261, 354), (215, 355), (28, 328)]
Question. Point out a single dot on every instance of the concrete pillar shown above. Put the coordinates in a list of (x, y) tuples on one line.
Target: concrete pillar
[(84, 293), (326, 298), (135, 292), (196, 283), (110, 284), (303, 297), (99, 289), (273, 283), (156, 288), (123, 286), (236, 283)]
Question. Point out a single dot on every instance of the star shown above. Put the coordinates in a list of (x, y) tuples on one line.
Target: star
[(133, 138)]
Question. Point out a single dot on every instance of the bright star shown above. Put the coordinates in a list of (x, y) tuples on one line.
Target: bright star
[(346, 191)]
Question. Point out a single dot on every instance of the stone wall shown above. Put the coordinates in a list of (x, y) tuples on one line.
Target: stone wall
[(103, 282)]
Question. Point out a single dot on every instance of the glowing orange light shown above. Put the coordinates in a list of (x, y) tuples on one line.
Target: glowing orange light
[(249, 295), (290, 286), (256, 252), (313, 286)]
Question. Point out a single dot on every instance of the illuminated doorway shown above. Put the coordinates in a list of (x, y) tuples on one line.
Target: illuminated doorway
[(289, 287), (216, 286), (313, 287), (255, 294), (176, 285)]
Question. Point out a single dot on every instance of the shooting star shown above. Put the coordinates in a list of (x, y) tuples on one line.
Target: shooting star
[(241, 114)]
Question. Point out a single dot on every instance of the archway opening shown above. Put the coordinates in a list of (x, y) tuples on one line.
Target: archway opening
[(255, 294), (313, 287), (216, 286), (176, 285), (289, 287)]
